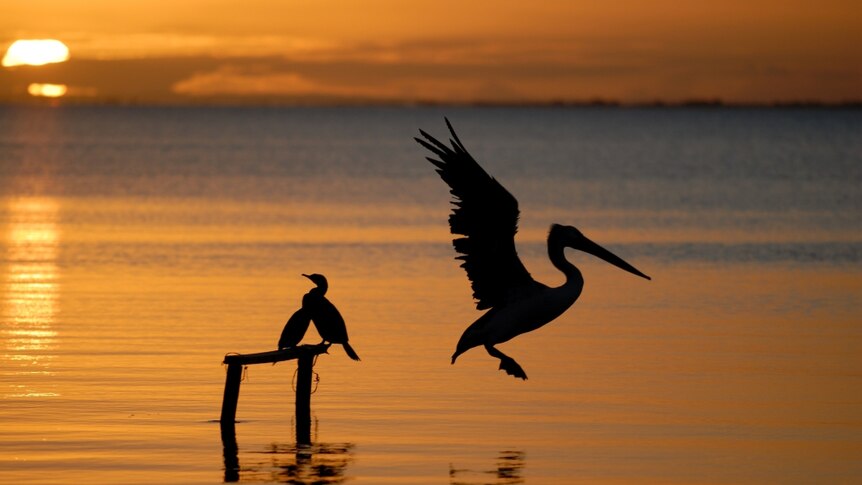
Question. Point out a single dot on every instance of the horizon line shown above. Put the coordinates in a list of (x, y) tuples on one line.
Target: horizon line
[(288, 102)]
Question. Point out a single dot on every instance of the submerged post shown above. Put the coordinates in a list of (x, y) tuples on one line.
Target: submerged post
[(303, 398), (231, 394)]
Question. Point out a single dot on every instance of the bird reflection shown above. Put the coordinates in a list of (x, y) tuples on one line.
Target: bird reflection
[(486, 214), (318, 463), (508, 469), (300, 464)]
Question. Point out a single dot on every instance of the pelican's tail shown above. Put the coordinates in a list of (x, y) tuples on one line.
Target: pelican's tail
[(350, 352), (473, 336), (463, 346), (455, 356)]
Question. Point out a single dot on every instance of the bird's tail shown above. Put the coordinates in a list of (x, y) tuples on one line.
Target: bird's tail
[(350, 352), (472, 337), (456, 354)]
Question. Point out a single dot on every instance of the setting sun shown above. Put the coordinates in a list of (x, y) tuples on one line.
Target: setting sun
[(35, 53), (547, 52), (47, 90)]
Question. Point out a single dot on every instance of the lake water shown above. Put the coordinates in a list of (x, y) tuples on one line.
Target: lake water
[(138, 246)]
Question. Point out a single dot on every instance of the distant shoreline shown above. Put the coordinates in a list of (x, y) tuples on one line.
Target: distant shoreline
[(333, 103)]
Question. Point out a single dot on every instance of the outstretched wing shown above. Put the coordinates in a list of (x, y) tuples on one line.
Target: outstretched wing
[(487, 215)]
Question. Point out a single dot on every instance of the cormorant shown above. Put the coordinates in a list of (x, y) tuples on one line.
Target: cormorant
[(328, 321), (294, 329)]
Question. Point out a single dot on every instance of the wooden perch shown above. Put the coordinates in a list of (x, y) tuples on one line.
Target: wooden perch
[(274, 356), (305, 359)]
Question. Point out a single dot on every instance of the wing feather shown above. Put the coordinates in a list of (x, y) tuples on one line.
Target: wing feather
[(486, 214)]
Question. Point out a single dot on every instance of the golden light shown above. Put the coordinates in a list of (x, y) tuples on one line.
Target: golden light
[(47, 90), (35, 52), (29, 288)]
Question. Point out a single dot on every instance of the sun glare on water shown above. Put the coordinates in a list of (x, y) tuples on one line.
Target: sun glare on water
[(35, 52)]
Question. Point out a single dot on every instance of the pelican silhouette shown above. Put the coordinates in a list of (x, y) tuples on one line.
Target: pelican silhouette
[(328, 321), (486, 214)]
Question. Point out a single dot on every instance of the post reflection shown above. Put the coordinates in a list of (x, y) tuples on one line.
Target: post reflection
[(296, 463), (29, 300), (508, 470)]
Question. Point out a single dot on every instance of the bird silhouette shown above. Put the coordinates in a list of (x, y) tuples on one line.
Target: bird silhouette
[(328, 321), (294, 329), (486, 214)]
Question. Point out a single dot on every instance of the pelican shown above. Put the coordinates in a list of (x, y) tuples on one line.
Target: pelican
[(486, 215), (328, 321), (294, 329)]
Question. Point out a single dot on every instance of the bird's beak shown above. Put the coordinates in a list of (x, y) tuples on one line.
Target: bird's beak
[(307, 276), (590, 247)]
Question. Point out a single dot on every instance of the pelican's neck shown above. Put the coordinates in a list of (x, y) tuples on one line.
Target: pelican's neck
[(556, 251)]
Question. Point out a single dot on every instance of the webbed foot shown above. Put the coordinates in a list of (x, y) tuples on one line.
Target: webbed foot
[(507, 363), (512, 368)]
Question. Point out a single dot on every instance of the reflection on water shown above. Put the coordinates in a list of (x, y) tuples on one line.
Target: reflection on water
[(175, 235), (29, 300), (315, 463), (508, 470), (318, 463)]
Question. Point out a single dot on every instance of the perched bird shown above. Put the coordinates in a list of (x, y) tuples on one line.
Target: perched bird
[(294, 329), (486, 214), (328, 321)]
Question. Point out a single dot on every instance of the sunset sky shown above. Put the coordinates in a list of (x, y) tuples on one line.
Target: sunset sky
[(442, 51)]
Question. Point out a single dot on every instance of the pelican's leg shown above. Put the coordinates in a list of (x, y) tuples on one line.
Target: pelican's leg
[(507, 363)]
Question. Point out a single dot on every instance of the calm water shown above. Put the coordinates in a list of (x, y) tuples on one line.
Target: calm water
[(138, 246)]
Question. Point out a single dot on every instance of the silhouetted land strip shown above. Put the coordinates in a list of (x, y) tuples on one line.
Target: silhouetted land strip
[(304, 354), (287, 102)]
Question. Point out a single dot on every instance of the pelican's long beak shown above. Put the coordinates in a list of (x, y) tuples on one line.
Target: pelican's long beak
[(588, 246)]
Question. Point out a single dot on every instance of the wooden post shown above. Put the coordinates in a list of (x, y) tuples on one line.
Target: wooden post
[(303, 398), (231, 395), (305, 356)]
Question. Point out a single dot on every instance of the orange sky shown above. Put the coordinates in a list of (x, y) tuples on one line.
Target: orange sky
[(386, 50)]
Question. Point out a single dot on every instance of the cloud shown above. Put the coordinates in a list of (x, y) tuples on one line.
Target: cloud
[(234, 80), (159, 45), (279, 68), (358, 80)]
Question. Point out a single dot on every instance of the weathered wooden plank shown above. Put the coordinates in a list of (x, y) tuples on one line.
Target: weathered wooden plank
[(276, 355)]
